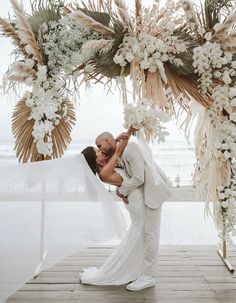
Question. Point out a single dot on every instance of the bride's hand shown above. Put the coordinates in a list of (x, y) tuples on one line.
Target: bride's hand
[(126, 135), (123, 140), (122, 136)]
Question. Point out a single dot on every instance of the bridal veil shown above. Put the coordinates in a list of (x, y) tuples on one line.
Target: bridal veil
[(49, 210)]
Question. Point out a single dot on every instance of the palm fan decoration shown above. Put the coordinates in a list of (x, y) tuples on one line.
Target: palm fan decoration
[(22, 129), (44, 12)]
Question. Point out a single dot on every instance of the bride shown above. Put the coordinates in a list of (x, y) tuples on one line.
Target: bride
[(125, 264)]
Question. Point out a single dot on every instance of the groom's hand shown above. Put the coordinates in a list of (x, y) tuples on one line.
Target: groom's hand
[(124, 198)]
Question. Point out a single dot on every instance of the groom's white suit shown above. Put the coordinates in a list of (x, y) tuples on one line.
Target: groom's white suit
[(141, 176)]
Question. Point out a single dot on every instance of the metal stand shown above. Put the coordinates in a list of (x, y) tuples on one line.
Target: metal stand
[(222, 251), (42, 252)]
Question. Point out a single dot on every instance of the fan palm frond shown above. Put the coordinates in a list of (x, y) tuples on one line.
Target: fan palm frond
[(214, 10), (104, 63), (42, 16), (44, 12), (22, 128), (226, 26), (187, 86), (186, 57)]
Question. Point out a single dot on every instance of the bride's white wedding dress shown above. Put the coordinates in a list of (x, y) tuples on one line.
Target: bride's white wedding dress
[(125, 264)]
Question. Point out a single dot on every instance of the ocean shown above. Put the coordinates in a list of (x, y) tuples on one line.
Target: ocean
[(174, 157), (182, 222)]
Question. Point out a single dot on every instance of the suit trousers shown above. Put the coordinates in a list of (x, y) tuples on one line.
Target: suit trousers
[(151, 238)]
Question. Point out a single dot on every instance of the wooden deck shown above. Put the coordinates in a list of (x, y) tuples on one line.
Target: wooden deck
[(185, 274)]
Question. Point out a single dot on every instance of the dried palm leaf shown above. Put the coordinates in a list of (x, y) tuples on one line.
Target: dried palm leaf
[(92, 24), (226, 26), (190, 11), (8, 30), (123, 13), (22, 128), (26, 30), (104, 63), (92, 6), (21, 68), (213, 11), (154, 90), (187, 86), (138, 14), (43, 16), (101, 45), (16, 78), (101, 17), (186, 57)]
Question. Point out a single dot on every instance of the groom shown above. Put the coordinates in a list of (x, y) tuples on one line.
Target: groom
[(140, 176)]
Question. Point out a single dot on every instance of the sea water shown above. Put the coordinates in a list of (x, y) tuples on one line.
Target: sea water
[(182, 222), (175, 157)]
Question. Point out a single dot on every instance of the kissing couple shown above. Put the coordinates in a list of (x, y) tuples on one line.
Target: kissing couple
[(143, 187)]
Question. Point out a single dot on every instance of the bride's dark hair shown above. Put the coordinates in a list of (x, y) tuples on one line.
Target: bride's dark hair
[(90, 156)]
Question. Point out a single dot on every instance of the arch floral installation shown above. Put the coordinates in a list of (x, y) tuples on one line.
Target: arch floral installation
[(180, 59)]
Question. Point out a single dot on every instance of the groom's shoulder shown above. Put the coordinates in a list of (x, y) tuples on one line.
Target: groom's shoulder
[(131, 146)]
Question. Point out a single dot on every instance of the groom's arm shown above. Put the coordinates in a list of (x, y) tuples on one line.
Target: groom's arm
[(135, 159)]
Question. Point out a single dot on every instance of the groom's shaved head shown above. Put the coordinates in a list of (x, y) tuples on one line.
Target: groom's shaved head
[(104, 135), (106, 142)]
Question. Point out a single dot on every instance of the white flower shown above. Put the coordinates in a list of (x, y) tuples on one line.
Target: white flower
[(29, 62), (144, 64), (208, 36), (226, 77), (233, 64), (232, 117), (224, 204), (232, 92), (217, 26), (29, 49), (42, 73), (201, 30), (129, 57), (142, 116)]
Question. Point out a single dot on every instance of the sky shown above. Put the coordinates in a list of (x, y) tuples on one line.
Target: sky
[(96, 111)]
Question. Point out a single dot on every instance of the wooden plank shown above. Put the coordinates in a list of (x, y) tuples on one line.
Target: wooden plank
[(185, 274), (145, 294), (24, 296)]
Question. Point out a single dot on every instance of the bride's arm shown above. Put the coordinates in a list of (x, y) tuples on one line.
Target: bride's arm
[(107, 173)]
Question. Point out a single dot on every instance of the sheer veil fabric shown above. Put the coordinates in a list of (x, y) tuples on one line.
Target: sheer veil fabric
[(49, 210)]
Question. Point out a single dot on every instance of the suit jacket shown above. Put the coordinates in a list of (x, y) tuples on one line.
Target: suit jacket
[(155, 193)]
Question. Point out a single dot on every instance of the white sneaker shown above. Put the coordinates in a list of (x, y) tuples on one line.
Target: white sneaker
[(142, 282)]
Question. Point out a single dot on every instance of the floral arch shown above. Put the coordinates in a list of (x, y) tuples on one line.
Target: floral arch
[(181, 59)]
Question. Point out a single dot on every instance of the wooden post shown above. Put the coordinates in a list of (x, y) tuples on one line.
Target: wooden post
[(42, 252), (222, 251)]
